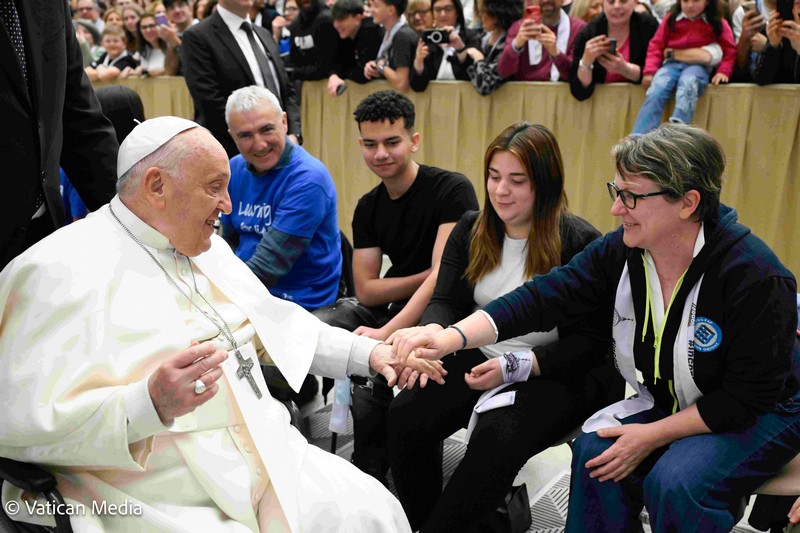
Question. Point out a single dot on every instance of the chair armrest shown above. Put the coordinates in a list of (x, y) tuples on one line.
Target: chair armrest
[(26, 476)]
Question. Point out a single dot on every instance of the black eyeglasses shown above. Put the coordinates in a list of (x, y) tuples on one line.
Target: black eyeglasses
[(628, 198)]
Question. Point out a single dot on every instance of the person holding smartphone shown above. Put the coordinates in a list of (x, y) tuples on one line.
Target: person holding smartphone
[(749, 22), (594, 60), (540, 50), (780, 60), (442, 53), (157, 57)]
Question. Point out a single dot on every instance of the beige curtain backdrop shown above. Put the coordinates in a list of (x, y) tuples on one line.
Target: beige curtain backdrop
[(758, 127)]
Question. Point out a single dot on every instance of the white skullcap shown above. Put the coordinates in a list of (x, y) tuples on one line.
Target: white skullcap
[(148, 137)]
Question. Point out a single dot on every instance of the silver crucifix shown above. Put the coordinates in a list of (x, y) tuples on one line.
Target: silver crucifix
[(244, 372)]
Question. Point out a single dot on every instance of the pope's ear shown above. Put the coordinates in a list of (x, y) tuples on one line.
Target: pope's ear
[(153, 182)]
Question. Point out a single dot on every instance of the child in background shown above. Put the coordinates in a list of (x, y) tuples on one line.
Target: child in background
[(679, 59), (117, 61)]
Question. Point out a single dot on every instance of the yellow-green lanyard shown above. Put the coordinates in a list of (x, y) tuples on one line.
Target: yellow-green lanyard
[(658, 334)]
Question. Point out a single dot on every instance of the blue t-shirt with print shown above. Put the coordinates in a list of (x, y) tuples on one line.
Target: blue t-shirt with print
[(296, 197)]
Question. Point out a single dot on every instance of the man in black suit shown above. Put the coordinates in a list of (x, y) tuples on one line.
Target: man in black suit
[(220, 56), (49, 115)]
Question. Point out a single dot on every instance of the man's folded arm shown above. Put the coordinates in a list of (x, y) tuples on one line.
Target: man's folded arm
[(275, 255)]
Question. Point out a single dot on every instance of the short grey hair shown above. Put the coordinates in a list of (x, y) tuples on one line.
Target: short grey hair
[(169, 157), (679, 158), (248, 98)]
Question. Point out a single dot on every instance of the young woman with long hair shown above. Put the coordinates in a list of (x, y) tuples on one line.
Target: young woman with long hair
[(524, 229)]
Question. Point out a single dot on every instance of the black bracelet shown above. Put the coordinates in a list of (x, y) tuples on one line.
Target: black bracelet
[(463, 337)]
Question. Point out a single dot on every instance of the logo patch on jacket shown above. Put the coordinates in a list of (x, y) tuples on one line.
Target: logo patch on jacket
[(707, 334)]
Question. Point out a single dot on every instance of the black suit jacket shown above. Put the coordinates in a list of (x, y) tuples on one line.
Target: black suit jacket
[(214, 67), (56, 118)]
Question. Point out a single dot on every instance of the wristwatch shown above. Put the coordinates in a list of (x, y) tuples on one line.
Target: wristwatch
[(380, 70), (669, 53), (582, 66)]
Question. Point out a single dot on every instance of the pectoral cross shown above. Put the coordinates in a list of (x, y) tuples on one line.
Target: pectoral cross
[(244, 372)]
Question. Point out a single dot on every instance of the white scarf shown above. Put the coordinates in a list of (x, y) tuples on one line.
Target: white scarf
[(624, 330), (562, 40)]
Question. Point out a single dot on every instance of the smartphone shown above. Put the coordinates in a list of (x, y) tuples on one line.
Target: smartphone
[(747, 6), (612, 46), (340, 89), (533, 13), (161, 19), (785, 9), (435, 37)]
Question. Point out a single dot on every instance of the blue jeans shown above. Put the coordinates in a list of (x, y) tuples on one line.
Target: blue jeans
[(695, 484), (690, 80)]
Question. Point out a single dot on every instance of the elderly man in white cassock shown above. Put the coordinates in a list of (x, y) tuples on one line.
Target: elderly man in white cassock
[(128, 343)]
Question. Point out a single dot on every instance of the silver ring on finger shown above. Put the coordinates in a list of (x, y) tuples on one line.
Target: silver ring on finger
[(199, 387)]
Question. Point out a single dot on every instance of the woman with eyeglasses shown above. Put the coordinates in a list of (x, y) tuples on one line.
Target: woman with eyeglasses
[(448, 59), (523, 230), (419, 15), (156, 58), (703, 310)]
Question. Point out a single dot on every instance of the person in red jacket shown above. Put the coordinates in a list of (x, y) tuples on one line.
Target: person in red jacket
[(680, 58)]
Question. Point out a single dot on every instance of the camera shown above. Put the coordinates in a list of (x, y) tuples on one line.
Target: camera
[(435, 37)]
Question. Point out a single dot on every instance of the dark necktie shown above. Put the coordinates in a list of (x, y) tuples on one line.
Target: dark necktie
[(8, 12), (261, 59)]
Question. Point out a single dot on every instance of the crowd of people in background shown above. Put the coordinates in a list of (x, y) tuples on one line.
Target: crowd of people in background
[(244, 62), (670, 47)]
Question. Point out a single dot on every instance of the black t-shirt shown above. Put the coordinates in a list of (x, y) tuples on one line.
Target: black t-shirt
[(403, 48), (405, 229)]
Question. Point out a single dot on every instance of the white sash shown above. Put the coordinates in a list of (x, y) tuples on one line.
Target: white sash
[(562, 40), (623, 331)]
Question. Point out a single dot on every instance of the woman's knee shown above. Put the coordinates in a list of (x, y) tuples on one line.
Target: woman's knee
[(588, 446), (669, 485)]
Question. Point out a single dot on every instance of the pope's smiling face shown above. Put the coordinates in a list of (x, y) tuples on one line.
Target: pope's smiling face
[(195, 194)]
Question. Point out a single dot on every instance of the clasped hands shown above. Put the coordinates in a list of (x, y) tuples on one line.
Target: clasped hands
[(431, 342)]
